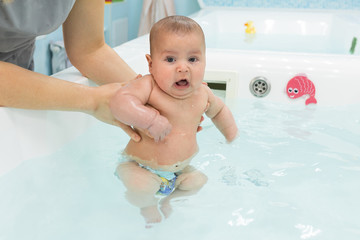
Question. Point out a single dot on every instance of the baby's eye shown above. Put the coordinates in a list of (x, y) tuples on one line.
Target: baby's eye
[(193, 59), (170, 59)]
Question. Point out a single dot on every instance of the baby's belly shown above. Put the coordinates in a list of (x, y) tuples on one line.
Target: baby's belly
[(172, 154)]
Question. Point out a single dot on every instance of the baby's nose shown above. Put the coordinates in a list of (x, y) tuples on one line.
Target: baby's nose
[(182, 67)]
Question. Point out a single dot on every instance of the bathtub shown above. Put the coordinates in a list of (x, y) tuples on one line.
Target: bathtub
[(281, 30), (286, 43), (291, 174)]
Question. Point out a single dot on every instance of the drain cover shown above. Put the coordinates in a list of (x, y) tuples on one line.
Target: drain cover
[(260, 87)]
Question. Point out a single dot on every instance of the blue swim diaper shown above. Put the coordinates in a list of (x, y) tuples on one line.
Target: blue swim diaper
[(168, 179)]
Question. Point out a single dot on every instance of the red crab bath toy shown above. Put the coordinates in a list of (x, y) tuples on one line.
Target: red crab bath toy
[(300, 85)]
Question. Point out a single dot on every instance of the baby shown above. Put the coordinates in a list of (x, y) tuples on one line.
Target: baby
[(166, 107)]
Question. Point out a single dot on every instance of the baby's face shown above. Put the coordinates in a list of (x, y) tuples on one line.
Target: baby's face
[(178, 63)]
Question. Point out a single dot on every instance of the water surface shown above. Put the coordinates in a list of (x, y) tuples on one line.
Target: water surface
[(293, 173)]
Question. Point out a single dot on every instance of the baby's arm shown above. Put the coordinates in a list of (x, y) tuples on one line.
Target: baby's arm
[(221, 116), (129, 106)]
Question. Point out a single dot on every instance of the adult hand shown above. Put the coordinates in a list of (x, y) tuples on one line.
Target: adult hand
[(200, 127), (103, 94)]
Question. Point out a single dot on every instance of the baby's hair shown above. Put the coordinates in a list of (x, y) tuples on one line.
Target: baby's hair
[(174, 24)]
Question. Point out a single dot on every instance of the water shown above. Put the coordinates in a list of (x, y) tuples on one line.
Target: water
[(322, 44), (292, 174)]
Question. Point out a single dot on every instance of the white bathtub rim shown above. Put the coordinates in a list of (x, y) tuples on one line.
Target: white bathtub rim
[(288, 53), (206, 9)]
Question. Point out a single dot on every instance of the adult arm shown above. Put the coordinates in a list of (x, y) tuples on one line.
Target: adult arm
[(83, 36), (21, 88), (86, 48)]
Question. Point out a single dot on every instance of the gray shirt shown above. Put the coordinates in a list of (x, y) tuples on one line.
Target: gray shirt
[(21, 21)]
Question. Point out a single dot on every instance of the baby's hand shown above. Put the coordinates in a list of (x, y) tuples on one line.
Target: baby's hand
[(159, 128)]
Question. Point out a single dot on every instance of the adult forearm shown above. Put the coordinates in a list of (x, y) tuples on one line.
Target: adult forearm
[(85, 45), (20, 88), (102, 65)]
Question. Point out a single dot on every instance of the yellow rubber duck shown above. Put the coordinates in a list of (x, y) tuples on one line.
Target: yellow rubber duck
[(250, 29)]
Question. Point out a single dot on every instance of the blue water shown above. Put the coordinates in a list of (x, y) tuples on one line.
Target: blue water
[(280, 43), (293, 173)]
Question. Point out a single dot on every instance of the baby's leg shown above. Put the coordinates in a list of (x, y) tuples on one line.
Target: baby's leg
[(141, 186), (191, 179), (188, 183)]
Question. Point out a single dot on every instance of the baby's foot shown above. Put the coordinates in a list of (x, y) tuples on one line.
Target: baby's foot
[(151, 215)]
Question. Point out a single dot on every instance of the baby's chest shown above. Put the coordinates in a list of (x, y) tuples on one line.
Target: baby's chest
[(183, 109)]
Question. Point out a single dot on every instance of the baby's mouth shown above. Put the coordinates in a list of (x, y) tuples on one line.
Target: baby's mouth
[(182, 83)]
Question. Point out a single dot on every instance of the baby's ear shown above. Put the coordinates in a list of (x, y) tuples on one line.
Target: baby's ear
[(149, 60)]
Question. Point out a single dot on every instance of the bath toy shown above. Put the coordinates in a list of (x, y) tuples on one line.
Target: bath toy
[(353, 45), (300, 85), (250, 29)]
